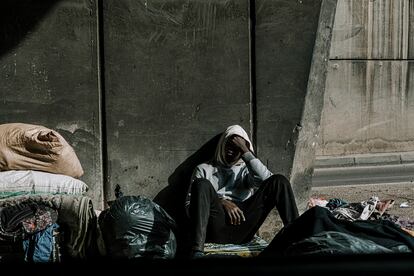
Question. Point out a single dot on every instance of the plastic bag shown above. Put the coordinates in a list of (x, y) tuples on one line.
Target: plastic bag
[(332, 242), (135, 226)]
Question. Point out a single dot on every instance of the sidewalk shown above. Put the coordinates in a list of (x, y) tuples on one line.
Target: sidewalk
[(372, 159)]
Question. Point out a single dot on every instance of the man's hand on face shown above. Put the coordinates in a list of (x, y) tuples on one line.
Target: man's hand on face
[(235, 214), (240, 143)]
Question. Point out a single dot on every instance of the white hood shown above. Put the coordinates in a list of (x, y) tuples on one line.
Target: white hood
[(231, 130)]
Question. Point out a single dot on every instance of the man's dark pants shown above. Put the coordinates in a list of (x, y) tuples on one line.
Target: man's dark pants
[(209, 222)]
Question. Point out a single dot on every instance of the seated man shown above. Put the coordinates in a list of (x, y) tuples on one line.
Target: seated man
[(230, 196)]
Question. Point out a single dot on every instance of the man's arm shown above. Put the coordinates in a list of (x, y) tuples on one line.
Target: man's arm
[(257, 170), (235, 214)]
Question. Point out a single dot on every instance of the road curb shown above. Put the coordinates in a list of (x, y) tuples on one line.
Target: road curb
[(364, 160)]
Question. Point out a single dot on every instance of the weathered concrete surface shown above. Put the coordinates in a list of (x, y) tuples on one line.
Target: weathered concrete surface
[(177, 74), (285, 37), (369, 107), (380, 29), (369, 103), (18, 18), (49, 75), (286, 32), (308, 136)]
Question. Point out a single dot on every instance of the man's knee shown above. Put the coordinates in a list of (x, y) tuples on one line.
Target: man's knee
[(278, 179), (200, 185)]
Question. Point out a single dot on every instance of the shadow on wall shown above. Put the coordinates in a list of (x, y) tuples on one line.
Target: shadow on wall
[(172, 197), (18, 18)]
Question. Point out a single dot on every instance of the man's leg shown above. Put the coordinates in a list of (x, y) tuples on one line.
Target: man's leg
[(278, 192), (275, 191), (206, 212)]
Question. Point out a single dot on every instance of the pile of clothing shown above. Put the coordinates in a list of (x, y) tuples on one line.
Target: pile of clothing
[(372, 209), (44, 212), (335, 226)]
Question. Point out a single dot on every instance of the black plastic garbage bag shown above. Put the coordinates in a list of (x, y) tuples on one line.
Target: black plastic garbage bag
[(135, 226), (332, 242), (318, 219)]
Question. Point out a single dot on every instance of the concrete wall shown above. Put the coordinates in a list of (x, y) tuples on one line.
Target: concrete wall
[(369, 98), (285, 37), (178, 72), (175, 74), (285, 43), (48, 64)]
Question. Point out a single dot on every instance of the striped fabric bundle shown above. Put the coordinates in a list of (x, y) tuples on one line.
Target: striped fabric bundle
[(250, 249), (19, 182)]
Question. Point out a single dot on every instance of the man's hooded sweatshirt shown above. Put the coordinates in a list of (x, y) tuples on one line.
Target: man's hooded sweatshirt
[(237, 182)]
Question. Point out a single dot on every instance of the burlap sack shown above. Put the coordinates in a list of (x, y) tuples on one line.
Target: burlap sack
[(34, 147)]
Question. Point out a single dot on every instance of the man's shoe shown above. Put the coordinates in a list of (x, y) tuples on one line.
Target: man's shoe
[(196, 254)]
